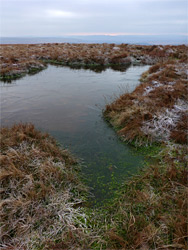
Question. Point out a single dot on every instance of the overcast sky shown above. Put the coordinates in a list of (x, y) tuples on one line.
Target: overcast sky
[(90, 17)]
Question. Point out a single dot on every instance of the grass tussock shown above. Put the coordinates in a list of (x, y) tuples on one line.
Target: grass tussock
[(40, 189), (151, 210), (40, 192), (42, 196), (161, 96), (19, 59)]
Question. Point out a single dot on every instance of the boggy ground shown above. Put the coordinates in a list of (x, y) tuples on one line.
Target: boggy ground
[(41, 192), (42, 199), (152, 210), (17, 60), (157, 109)]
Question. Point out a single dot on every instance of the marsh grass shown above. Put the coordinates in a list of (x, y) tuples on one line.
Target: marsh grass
[(20, 59), (17, 59), (151, 209), (150, 212), (43, 197), (41, 193), (151, 112)]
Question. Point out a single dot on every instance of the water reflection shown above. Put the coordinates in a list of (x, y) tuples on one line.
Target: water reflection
[(97, 68), (68, 104)]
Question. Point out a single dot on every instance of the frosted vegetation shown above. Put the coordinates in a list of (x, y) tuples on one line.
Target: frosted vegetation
[(43, 199)]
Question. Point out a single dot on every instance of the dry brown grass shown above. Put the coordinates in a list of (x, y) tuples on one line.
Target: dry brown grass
[(179, 133), (41, 197), (151, 211), (154, 68), (39, 192), (158, 53), (16, 59), (163, 85), (40, 189)]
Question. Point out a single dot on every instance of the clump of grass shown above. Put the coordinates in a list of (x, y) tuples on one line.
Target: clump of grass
[(179, 133), (160, 127), (151, 112), (41, 193), (18, 58), (154, 68), (23, 58), (151, 210)]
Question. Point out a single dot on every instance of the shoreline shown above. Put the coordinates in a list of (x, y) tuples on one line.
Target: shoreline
[(19, 60), (149, 210)]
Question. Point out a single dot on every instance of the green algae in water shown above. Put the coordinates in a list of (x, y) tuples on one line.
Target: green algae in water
[(68, 104)]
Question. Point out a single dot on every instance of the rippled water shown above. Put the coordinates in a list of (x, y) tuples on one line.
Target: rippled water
[(68, 104)]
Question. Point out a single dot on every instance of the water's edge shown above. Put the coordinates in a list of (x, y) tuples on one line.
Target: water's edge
[(68, 104)]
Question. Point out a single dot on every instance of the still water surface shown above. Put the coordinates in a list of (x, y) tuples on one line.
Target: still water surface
[(68, 104)]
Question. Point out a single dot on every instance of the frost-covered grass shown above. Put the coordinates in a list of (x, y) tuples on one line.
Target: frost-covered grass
[(19, 59), (41, 194), (156, 109), (160, 126), (150, 211), (42, 199)]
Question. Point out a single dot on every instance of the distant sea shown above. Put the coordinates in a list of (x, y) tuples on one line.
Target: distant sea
[(142, 40), (35, 40)]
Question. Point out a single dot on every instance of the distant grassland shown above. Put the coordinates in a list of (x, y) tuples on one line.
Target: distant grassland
[(42, 195), (19, 59)]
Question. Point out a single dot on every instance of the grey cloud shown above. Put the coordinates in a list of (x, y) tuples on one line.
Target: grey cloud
[(61, 17)]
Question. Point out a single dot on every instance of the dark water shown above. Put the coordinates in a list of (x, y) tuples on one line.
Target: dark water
[(68, 104)]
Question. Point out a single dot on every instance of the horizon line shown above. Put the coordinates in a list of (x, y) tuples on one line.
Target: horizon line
[(101, 34), (121, 34)]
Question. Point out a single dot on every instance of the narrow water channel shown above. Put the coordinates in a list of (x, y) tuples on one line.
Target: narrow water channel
[(68, 104)]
